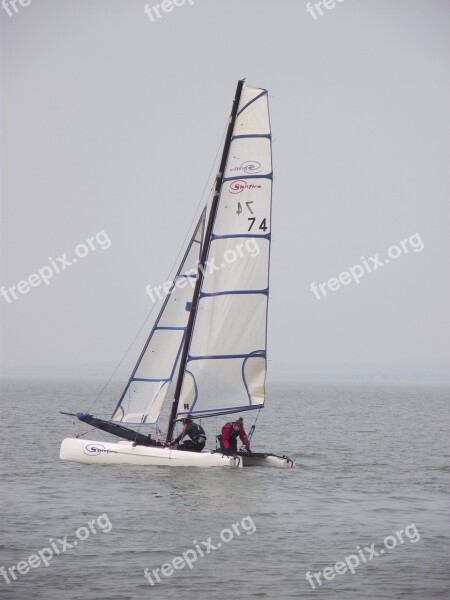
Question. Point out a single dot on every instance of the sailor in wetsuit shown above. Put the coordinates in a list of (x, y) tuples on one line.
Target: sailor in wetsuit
[(195, 432)]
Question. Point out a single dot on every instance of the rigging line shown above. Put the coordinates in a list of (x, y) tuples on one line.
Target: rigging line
[(251, 430), (170, 272), (257, 415)]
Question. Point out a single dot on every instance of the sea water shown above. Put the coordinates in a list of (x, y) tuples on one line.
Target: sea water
[(372, 461)]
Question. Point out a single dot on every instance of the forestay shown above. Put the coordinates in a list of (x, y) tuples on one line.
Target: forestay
[(144, 395), (226, 363)]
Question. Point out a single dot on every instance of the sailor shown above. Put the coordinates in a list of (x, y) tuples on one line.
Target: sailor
[(230, 433), (195, 432)]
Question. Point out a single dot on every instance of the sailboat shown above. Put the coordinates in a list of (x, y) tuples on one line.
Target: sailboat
[(209, 340)]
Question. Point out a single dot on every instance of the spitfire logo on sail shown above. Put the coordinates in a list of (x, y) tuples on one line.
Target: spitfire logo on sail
[(250, 167), (238, 186)]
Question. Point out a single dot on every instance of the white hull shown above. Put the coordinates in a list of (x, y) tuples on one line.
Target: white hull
[(124, 453)]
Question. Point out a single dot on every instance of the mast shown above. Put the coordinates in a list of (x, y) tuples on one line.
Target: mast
[(203, 258)]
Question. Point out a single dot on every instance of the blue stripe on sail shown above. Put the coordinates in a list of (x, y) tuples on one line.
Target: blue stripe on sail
[(266, 236), (268, 136), (257, 353), (170, 328), (185, 276), (211, 412), (233, 292), (123, 412), (263, 93), (245, 176), (160, 379)]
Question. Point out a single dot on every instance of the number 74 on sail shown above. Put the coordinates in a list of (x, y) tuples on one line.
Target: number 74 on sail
[(205, 355)]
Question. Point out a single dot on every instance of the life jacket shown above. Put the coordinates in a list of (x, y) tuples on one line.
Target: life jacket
[(196, 433)]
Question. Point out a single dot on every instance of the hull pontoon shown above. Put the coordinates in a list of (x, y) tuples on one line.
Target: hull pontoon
[(125, 453)]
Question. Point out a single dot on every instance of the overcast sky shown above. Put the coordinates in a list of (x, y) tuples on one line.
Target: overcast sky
[(111, 122)]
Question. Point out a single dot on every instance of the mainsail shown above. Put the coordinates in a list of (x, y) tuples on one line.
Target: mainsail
[(146, 390), (225, 364)]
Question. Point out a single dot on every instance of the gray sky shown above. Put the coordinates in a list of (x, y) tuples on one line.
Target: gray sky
[(111, 122)]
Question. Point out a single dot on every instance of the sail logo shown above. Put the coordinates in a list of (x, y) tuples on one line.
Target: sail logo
[(238, 186), (97, 449), (250, 167)]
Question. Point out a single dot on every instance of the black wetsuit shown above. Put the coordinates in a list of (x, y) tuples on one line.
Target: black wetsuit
[(197, 435)]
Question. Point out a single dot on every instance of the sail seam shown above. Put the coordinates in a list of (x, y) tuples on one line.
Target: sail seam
[(264, 292), (265, 236), (268, 136), (159, 379), (256, 353), (213, 411)]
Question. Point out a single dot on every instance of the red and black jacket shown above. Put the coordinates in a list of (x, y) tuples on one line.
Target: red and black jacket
[(230, 435)]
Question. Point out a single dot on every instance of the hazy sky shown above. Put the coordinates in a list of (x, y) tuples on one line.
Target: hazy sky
[(111, 122)]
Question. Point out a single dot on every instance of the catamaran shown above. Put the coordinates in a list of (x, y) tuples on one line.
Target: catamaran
[(209, 341)]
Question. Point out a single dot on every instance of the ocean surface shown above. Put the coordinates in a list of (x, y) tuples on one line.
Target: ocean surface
[(372, 460)]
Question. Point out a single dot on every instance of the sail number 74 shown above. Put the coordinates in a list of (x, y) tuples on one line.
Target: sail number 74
[(262, 225)]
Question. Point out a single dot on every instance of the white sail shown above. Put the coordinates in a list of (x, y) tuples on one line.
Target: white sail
[(144, 395), (226, 363)]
